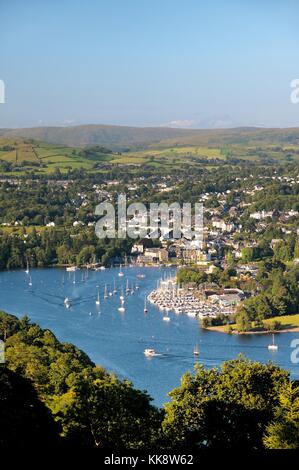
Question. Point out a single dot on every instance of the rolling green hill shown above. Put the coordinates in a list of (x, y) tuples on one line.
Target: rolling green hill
[(94, 148), (115, 137), (122, 137), (19, 155)]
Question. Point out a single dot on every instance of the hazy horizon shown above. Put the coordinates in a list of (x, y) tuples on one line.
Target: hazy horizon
[(87, 124)]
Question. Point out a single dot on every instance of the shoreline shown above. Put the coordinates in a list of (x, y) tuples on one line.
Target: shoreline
[(64, 266), (220, 329)]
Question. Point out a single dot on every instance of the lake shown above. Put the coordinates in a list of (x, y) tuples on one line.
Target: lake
[(117, 340)]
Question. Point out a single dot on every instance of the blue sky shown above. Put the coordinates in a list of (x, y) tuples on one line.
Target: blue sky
[(189, 63)]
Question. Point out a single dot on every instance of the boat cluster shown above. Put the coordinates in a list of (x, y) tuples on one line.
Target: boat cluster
[(110, 292), (182, 301)]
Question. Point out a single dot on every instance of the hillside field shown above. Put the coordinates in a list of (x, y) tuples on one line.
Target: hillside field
[(23, 155)]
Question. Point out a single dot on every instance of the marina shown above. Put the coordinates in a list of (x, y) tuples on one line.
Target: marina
[(168, 296)]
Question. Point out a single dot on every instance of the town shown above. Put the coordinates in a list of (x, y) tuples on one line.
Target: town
[(250, 219)]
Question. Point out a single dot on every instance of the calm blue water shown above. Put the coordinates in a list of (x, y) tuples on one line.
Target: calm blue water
[(117, 340)]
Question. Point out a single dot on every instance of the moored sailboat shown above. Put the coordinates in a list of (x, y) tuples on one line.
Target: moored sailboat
[(27, 268), (272, 346), (120, 271), (98, 302), (105, 292), (121, 308)]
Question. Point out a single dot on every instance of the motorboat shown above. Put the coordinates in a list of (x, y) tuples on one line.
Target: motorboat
[(150, 352), (71, 268)]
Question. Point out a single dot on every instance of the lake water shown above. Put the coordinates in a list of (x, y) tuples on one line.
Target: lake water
[(117, 340)]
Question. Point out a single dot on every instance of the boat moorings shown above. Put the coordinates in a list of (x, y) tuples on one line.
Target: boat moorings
[(183, 301)]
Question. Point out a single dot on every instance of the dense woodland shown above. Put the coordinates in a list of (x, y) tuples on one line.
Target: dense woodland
[(52, 394), (52, 247)]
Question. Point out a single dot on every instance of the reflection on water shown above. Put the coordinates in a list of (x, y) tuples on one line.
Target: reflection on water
[(116, 339)]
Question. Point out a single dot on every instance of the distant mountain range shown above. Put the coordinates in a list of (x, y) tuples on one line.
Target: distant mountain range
[(123, 137)]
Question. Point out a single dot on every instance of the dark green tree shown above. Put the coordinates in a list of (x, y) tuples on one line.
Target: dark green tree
[(226, 408)]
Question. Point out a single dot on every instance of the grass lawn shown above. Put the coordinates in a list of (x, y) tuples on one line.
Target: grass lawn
[(288, 322)]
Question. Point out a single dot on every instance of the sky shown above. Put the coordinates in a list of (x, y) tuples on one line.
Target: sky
[(191, 63)]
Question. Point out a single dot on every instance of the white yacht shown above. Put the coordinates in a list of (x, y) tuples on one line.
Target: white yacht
[(272, 346), (105, 292), (67, 302), (120, 271), (98, 302)]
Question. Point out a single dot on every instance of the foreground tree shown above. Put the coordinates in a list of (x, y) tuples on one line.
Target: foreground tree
[(25, 420), (283, 431), (103, 411), (226, 408), (94, 407)]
